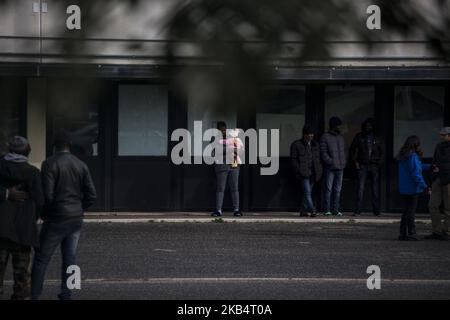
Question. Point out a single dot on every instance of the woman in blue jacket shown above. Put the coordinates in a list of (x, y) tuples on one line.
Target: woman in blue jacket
[(411, 184)]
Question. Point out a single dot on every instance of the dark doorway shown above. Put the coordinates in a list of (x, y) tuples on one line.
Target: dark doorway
[(76, 105)]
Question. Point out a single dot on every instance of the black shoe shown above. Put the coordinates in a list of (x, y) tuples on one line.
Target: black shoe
[(237, 213), (305, 214), (412, 238), (402, 237), (216, 214), (377, 213), (313, 215), (357, 214)]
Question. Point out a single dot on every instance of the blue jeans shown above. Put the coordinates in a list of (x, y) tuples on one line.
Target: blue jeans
[(333, 187), (52, 235), (308, 203)]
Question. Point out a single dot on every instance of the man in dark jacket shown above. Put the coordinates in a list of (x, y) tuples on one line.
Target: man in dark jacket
[(305, 159), (69, 191), (441, 189), (366, 153), (18, 228), (332, 151)]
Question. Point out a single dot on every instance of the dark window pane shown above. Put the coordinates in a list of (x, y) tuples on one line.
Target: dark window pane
[(419, 110), (74, 107), (9, 111), (203, 106), (143, 120), (284, 109), (353, 104)]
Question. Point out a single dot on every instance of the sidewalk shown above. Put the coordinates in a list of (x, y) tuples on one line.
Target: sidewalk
[(254, 217)]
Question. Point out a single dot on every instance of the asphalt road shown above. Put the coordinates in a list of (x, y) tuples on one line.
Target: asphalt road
[(253, 261)]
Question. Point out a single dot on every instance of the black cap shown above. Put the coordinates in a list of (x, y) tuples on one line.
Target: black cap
[(308, 129), (334, 122)]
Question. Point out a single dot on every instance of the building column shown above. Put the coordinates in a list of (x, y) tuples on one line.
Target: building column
[(36, 119)]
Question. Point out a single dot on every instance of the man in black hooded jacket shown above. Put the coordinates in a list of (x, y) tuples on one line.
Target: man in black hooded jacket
[(18, 229), (366, 153), (305, 160)]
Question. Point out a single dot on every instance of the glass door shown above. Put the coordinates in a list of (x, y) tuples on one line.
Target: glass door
[(141, 165)]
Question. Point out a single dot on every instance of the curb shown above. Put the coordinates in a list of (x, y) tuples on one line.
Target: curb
[(248, 220)]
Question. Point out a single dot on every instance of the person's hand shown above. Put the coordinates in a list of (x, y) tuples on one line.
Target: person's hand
[(428, 191), (357, 166), (435, 169), (17, 195)]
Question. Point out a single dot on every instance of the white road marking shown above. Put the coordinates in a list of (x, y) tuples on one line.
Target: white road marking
[(243, 280), (165, 250)]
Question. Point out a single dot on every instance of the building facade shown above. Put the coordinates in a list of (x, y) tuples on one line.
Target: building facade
[(114, 93)]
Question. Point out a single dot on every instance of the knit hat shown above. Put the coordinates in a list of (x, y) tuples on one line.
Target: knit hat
[(334, 122), (19, 145)]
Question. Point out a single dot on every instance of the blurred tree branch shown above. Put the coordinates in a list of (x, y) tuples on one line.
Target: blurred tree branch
[(247, 39)]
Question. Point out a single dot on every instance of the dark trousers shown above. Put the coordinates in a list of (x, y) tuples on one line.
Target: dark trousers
[(21, 257), (407, 223), (231, 176), (54, 234), (373, 173)]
